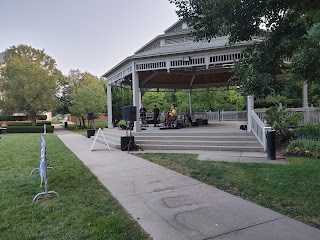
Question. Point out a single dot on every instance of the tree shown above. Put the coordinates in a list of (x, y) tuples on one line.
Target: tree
[(87, 96), (120, 97), (30, 80), (71, 80), (290, 28)]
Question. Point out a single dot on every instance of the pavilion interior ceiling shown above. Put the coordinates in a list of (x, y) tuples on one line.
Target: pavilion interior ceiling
[(183, 79)]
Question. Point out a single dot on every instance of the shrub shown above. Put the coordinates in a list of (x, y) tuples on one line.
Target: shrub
[(26, 123), (29, 129), (305, 148), (20, 118), (310, 131), (284, 122), (266, 103)]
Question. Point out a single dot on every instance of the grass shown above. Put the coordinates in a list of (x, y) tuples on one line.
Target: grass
[(293, 189), (84, 210), (72, 127)]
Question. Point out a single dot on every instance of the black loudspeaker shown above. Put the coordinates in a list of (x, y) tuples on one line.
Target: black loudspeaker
[(129, 113), (125, 143), (90, 116)]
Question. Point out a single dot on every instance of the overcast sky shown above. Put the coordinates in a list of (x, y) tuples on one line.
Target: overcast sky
[(90, 35)]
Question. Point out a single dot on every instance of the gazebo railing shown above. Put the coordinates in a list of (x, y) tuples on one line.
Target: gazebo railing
[(259, 129), (222, 115), (310, 114), (233, 116)]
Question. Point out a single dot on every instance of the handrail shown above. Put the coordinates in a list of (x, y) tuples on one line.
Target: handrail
[(259, 129)]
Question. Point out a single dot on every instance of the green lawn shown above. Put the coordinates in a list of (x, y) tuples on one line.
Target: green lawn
[(72, 127), (84, 210), (293, 190)]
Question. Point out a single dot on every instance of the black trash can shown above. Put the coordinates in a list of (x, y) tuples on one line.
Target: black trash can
[(90, 132), (2, 130), (271, 145), (66, 124)]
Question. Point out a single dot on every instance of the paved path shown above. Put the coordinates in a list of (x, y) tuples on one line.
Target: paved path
[(171, 206), (225, 156)]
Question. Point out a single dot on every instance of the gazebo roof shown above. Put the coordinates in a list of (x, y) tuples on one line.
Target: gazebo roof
[(175, 60), (184, 47)]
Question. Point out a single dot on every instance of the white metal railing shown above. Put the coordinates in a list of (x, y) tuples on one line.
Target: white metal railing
[(222, 115), (233, 116), (259, 129), (310, 114), (212, 116)]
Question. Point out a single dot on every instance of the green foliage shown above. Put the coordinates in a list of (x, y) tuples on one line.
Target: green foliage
[(310, 131), (28, 129), (20, 118), (120, 97), (306, 61), (305, 148), (88, 96), (68, 85), (267, 102), (217, 99), (30, 80), (291, 28), (284, 122)]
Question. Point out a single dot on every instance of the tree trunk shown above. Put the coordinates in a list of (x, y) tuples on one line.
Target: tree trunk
[(84, 122), (33, 120)]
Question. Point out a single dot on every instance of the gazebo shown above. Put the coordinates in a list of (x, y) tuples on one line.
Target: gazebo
[(174, 60)]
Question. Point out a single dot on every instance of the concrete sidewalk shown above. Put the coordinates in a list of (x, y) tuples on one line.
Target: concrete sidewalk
[(171, 206), (224, 156)]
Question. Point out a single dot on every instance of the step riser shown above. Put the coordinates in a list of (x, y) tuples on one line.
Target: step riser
[(202, 148), (194, 143), (167, 140), (167, 133), (195, 138)]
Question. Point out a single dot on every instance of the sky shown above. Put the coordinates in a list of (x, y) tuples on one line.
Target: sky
[(89, 35)]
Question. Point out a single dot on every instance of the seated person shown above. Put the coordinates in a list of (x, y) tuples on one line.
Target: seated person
[(186, 116), (173, 115), (143, 111)]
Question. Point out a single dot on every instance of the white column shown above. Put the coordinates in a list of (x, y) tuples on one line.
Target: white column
[(250, 106), (136, 98), (305, 102), (190, 101), (305, 94), (140, 98), (190, 96), (109, 103)]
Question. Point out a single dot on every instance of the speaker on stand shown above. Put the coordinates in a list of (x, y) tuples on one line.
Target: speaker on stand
[(90, 130), (129, 114)]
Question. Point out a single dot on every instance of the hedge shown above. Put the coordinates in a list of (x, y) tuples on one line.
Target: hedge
[(20, 118), (264, 103), (24, 123), (29, 129)]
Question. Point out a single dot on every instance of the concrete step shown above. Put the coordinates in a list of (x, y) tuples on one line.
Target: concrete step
[(196, 138), (201, 148), (220, 140), (166, 133), (198, 143)]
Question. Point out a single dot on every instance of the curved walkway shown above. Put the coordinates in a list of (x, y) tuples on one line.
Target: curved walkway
[(171, 206)]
